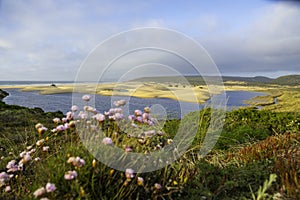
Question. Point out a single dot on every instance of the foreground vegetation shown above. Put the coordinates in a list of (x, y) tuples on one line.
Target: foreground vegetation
[(256, 156)]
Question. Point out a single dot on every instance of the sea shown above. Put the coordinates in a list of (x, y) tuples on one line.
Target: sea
[(63, 102)]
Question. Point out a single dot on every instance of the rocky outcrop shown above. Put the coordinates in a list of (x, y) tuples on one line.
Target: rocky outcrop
[(3, 94)]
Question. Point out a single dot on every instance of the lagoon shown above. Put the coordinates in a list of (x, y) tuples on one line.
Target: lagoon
[(173, 109)]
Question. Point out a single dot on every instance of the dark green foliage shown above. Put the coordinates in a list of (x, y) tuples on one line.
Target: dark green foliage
[(229, 182)]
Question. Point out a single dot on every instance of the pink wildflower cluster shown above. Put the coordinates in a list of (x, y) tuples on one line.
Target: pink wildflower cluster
[(142, 118), (66, 122), (76, 161), (50, 187)]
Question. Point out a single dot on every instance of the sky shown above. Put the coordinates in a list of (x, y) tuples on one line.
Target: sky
[(50, 40)]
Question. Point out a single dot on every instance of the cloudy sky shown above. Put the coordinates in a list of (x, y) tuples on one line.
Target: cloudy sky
[(49, 40)]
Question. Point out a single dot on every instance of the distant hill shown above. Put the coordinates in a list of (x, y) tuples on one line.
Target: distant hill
[(198, 80), (287, 80)]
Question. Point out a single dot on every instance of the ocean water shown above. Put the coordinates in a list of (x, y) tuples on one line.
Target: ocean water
[(172, 108)]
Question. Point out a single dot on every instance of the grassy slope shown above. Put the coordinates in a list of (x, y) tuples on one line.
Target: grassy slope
[(253, 145)]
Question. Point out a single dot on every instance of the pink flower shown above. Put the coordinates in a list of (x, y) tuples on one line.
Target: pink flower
[(42, 130), (107, 141), (70, 115), (12, 167), (145, 116), (128, 149), (140, 181), (86, 97), (67, 126), (147, 110), (50, 187), (77, 162), (139, 119), (129, 173), (99, 117), (56, 120), (70, 175), (119, 116), (4, 177), (64, 120), (40, 142), (39, 192), (157, 186), (7, 189), (38, 125), (82, 115), (60, 128), (138, 113), (131, 117), (26, 158), (46, 148), (74, 108)]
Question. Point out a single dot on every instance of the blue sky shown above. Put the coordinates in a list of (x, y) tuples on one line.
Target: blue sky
[(48, 40)]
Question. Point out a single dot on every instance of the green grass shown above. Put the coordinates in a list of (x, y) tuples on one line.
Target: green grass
[(253, 145)]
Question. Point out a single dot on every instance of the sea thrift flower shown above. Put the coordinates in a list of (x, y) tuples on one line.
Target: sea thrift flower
[(82, 115), (37, 159), (31, 151), (42, 130), (99, 117), (7, 189), (70, 175), (129, 173), (149, 133), (60, 128), (147, 110), (139, 119), (12, 167), (25, 159), (39, 192), (56, 120), (40, 142), (23, 153), (46, 148), (54, 130), (128, 149), (29, 147), (138, 113), (133, 125), (107, 141), (74, 108), (67, 126), (72, 124), (145, 117), (118, 116), (86, 97), (50, 187), (140, 181), (70, 115), (4, 177), (38, 125), (157, 186), (77, 162), (64, 119), (160, 133), (131, 117)]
